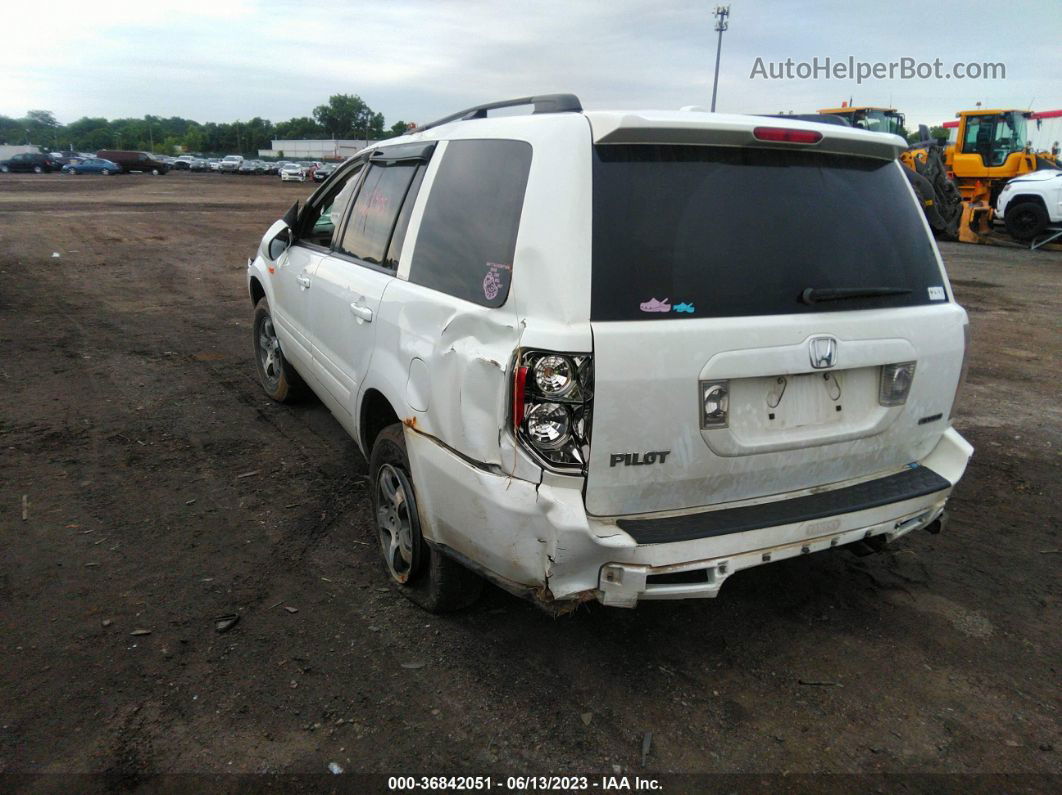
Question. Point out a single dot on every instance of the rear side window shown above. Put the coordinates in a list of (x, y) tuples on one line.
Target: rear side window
[(467, 236), (696, 231), (375, 212)]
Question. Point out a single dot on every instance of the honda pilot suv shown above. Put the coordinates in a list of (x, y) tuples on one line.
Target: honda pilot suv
[(619, 356)]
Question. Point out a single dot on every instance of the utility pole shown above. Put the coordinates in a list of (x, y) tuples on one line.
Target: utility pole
[(721, 14)]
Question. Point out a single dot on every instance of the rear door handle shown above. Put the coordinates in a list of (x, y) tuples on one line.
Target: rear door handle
[(304, 281), (361, 312)]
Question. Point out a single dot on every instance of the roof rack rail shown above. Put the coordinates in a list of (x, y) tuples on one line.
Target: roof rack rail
[(544, 103)]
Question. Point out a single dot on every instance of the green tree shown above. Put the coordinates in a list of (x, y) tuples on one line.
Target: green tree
[(42, 127), (348, 116), (12, 131), (302, 127), (399, 128)]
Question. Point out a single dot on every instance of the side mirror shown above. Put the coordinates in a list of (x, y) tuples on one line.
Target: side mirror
[(279, 244)]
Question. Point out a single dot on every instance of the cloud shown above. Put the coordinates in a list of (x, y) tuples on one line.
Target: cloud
[(417, 60)]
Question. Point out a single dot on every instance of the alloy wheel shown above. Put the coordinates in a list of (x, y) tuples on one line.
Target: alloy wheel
[(395, 517)]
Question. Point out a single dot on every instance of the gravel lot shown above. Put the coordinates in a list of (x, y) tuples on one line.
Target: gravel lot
[(147, 487)]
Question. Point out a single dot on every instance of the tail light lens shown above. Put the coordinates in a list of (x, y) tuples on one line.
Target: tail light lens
[(896, 380), (553, 396), (715, 404)]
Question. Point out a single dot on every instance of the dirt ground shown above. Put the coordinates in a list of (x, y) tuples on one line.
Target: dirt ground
[(147, 487)]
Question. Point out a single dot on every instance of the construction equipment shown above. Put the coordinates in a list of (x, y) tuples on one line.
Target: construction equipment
[(990, 148), (926, 169)]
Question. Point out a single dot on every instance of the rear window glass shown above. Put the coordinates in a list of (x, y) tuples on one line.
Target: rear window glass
[(467, 237), (695, 231)]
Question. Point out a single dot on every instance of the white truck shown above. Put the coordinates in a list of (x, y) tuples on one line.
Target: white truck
[(1031, 203)]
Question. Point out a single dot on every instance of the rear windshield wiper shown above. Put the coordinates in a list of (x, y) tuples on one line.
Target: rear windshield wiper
[(814, 295)]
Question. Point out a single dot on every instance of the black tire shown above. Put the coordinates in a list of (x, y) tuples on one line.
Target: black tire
[(154, 172), (423, 574), (278, 378), (1026, 220), (38, 170)]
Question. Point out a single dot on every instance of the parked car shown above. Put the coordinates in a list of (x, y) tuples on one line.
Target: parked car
[(546, 401), (183, 163), (199, 164), (292, 172), (29, 162), (1031, 203), (322, 172), (230, 164), (213, 163), (92, 165), (251, 167), (64, 157), (131, 161)]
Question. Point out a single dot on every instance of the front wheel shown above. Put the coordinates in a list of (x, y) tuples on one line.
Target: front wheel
[(38, 170), (422, 573), (1026, 220), (154, 172), (5, 170), (277, 376), (105, 172)]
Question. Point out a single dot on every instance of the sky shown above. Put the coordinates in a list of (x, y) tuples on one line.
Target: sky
[(417, 60)]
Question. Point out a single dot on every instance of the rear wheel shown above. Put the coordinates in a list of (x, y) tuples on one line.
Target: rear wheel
[(1026, 220), (105, 171), (154, 172), (422, 573), (277, 376)]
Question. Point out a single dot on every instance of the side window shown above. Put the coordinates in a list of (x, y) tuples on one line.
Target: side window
[(467, 237), (318, 223), (375, 214)]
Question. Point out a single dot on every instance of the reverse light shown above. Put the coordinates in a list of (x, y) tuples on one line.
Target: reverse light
[(554, 375), (552, 406), (896, 380), (548, 425), (715, 404), (785, 135)]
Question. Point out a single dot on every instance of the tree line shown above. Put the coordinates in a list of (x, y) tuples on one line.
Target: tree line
[(343, 116)]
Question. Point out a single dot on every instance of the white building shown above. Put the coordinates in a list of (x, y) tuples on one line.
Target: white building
[(333, 149), (10, 150)]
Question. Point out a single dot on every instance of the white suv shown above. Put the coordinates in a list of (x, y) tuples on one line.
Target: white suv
[(618, 356), (1032, 203), (230, 164)]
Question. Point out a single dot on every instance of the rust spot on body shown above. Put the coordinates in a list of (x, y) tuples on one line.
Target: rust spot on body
[(410, 422)]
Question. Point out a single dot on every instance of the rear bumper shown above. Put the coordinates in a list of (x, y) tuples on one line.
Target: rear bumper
[(538, 539)]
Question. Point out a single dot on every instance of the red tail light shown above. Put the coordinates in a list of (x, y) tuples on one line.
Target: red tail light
[(787, 136), (519, 387)]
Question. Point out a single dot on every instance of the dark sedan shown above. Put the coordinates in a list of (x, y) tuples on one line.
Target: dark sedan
[(26, 162), (321, 173)]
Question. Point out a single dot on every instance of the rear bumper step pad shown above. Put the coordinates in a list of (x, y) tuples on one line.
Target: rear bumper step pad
[(905, 485)]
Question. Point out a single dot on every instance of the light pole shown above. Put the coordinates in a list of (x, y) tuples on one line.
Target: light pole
[(721, 13)]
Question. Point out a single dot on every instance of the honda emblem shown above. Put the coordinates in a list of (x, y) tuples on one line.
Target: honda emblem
[(823, 352)]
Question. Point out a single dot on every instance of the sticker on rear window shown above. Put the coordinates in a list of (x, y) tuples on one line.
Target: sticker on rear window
[(494, 281), (936, 294)]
